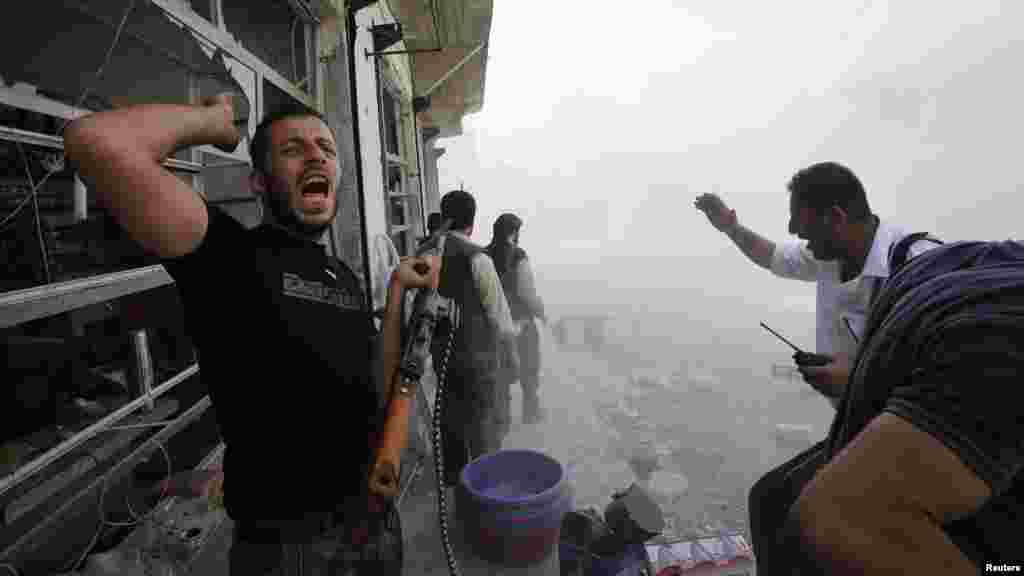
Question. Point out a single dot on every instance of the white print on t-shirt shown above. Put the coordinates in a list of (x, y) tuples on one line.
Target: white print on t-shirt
[(298, 287)]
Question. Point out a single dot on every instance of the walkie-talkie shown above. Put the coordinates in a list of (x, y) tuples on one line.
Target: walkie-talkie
[(801, 358)]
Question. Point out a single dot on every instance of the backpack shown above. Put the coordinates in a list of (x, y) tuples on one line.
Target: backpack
[(955, 285), (898, 252)]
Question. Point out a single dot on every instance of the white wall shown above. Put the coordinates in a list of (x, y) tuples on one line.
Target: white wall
[(369, 132)]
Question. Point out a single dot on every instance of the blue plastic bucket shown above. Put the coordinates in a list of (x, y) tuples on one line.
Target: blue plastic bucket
[(510, 505)]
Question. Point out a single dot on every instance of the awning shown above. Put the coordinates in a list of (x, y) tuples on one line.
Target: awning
[(461, 28)]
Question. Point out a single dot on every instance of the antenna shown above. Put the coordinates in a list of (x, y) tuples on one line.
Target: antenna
[(779, 336)]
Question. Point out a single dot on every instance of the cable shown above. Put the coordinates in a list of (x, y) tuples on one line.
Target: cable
[(35, 207), (85, 94), (138, 426), (10, 568), (24, 201), (291, 49), (439, 415), (106, 60), (163, 494), (103, 522)]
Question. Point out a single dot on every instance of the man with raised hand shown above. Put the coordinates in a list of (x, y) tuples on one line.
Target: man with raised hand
[(283, 330)]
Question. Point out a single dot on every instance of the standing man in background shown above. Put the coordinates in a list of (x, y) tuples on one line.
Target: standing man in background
[(433, 223), (517, 279), (846, 251), (473, 423)]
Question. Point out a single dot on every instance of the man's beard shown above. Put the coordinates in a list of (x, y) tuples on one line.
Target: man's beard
[(828, 250), (286, 217)]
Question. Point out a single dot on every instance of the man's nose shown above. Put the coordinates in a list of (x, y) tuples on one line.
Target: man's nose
[(316, 156)]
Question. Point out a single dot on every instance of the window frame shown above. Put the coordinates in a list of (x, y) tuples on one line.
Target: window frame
[(388, 91)]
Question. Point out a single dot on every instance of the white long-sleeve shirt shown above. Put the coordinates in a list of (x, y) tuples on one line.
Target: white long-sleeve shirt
[(526, 288), (492, 295)]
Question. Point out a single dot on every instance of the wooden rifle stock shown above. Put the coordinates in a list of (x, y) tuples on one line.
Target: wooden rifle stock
[(384, 478)]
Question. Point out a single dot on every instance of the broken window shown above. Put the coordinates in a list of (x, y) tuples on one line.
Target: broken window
[(151, 56), (226, 186), (275, 34), (60, 233), (86, 324), (203, 7), (274, 99)]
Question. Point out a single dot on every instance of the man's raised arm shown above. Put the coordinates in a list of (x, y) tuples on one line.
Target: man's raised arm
[(758, 249), (120, 154)]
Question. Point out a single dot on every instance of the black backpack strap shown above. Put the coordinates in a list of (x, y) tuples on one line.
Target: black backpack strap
[(898, 252)]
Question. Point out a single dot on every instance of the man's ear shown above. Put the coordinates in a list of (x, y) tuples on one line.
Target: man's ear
[(837, 218)]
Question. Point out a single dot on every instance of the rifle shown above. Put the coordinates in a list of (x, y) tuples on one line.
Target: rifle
[(428, 308)]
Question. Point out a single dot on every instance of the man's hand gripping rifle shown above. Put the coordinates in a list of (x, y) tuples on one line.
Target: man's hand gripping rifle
[(428, 308)]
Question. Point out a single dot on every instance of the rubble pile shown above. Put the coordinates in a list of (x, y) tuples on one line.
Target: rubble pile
[(600, 418)]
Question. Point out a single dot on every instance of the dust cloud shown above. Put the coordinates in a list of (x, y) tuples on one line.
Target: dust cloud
[(609, 403)]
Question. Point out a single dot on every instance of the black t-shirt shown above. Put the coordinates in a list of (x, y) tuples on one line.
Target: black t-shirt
[(285, 350), (945, 351)]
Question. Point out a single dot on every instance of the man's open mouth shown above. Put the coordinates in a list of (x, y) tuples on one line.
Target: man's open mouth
[(315, 185)]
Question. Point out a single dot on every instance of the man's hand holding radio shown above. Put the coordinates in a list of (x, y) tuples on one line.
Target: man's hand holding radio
[(829, 379)]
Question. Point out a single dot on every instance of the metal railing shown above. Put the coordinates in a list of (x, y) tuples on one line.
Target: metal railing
[(53, 454), (19, 306), (115, 473)]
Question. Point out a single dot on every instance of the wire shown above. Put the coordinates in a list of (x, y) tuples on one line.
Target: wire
[(163, 494), (85, 94), (103, 523), (291, 40), (24, 201), (106, 60), (137, 426), (35, 207), (10, 568)]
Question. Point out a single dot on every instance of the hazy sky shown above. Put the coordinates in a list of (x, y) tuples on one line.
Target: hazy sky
[(603, 120)]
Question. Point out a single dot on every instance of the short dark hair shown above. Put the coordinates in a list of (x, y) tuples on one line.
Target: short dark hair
[(459, 207), (260, 144), (433, 222), (826, 184)]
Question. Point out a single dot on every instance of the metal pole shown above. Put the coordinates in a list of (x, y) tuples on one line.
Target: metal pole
[(390, 52), (143, 373), (454, 69), (81, 201)]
